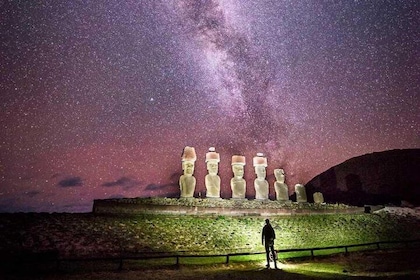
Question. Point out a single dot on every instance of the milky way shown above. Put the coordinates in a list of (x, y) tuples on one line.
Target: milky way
[(100, 97)]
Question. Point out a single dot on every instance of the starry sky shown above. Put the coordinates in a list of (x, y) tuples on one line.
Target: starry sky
[(99, 98)]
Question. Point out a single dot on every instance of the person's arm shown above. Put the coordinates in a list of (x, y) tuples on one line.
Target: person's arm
[(262, 237)]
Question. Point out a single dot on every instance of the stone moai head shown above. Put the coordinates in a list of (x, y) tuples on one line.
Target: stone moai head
[(238, 163), (260, 163), (212, 161), (188, 160), (279, 174)]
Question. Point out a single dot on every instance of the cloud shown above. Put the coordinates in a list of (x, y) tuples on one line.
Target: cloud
[(124, 182), (71, 182)]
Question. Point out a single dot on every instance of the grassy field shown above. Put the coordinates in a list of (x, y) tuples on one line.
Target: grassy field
[(32, 236), (87, 235)]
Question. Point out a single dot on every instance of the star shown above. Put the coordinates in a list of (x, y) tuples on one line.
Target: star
[(98, 100)]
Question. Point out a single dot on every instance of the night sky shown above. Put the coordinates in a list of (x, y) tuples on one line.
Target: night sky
[(99, 98)]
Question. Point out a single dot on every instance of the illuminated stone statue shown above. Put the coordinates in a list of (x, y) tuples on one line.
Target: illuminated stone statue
[(300, 193), (282, 190), (260, 183), (212, 180), (318, 197), (238, 183), (187, 181)]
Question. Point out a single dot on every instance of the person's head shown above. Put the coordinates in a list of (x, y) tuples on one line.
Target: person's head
[(267, 221)]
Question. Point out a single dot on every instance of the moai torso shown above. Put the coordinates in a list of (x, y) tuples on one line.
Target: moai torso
[(238, 183), (318, 197), (261, 189), (282, 190), (187, 185), (212, 180), (300, 193), (238, 186), (260, 183), (187, 181), (212, 185)]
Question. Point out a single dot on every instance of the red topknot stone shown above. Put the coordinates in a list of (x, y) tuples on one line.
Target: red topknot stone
[(189, 154), (260, 160), (212, 155), (238, 160)]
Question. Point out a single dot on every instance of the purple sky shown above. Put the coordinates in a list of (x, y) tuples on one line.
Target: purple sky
[(99, 98)]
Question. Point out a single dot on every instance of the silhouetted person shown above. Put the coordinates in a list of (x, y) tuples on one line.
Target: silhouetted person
[(267, 239)]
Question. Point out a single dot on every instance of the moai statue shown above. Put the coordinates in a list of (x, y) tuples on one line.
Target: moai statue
[(300, 193), (238, 183), (212, 180), (318, 197), (187, 181), (260, 183), (282, 190)]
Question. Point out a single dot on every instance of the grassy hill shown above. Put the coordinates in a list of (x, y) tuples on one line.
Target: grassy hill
[(90, 235)]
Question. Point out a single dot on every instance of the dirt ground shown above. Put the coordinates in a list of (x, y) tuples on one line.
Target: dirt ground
[(401, 264)]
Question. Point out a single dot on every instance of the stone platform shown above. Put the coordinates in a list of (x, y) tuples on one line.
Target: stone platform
[(208, 206)]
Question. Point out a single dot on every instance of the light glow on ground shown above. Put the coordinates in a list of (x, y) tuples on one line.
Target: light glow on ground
[(280, 265), (307, 268)]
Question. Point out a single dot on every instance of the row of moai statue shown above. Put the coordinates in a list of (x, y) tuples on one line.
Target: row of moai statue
[(187, 181)]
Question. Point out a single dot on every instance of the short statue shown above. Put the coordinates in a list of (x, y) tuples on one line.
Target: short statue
[(300, 193), (187, 181), (238, 183), (260, 183), (318, 197), (282, 190), (212, 180)]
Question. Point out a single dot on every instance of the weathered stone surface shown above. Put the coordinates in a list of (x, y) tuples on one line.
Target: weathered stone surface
[(377, 178), (300, 193), (280, 187), (260, 183), (238, 183), (212, 180), (227, 207), (187, 181), (318, 197)]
